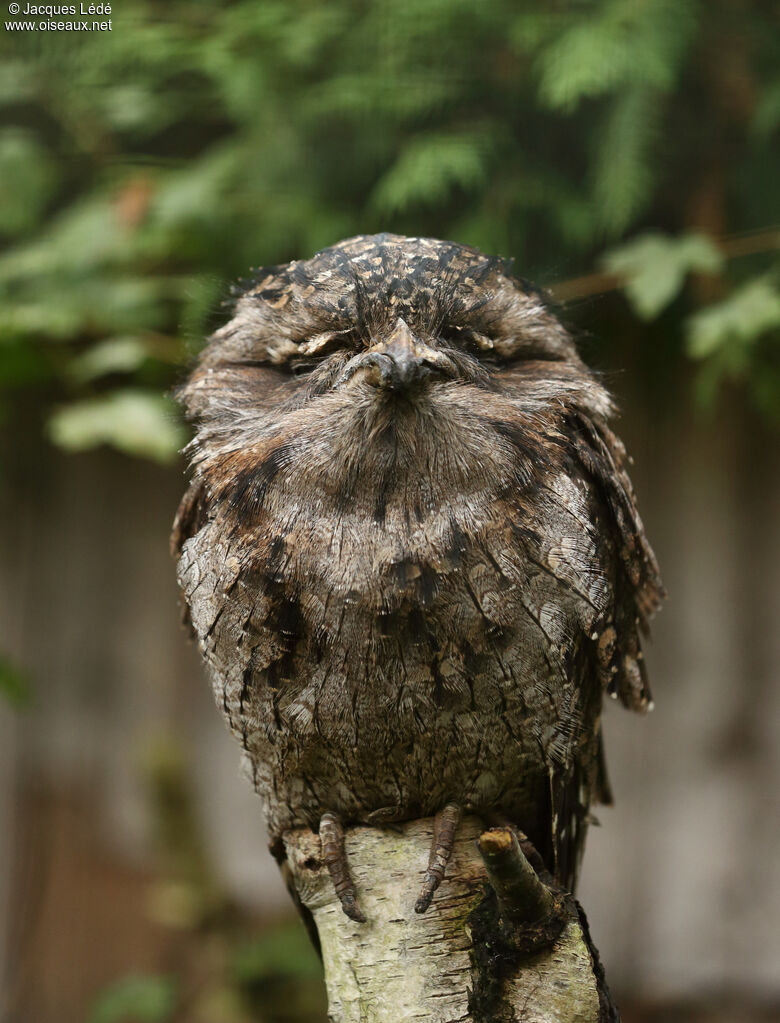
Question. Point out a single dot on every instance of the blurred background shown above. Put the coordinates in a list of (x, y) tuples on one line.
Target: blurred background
[(626, 153)]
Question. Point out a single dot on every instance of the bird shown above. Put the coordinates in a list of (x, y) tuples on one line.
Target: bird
[(410, 551)]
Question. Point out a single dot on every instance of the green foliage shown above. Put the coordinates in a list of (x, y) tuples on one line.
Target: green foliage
[(285, 951), (428, 170), (632, 54), (737, 323), (14, 684), (654, 268), (136, 422), (737, 339), (144, 169), (140, 998), (27, 176)]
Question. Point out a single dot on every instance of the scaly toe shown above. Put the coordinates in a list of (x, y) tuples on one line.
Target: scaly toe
[(444, 828), (334, 856)]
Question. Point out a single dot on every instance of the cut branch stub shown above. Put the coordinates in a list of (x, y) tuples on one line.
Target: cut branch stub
[(532, 913), (521, 894)]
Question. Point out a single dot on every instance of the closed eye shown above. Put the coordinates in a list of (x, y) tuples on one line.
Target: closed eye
[(320, 372), (300, 367), (328, 341), (468, 339), (314, 351)]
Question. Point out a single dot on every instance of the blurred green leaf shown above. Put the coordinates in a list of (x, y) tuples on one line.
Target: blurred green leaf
[(136, 422), (139, 998), (285, 951), (613, 44), (623, 174), (85, 236), (737, 322), (17, 80), (588, 59), (22, 365), (766, 117), (93, 305), (14, 684), (192, 193), (118, 355), (654, 267), (129, 105), (428, 168), (28, 179)]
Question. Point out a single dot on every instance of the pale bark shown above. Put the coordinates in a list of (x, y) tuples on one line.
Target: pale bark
[(457, 962)]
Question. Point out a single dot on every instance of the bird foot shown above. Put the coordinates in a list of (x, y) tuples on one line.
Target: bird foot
[(444, 828), (334, 856)]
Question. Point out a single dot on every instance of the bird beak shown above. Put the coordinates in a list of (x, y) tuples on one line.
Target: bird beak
[(398, 363), (408, 364)]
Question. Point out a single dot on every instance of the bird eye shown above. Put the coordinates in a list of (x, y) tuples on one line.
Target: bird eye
[(467, 338), (300, 367), (484, 342), (326, 342)]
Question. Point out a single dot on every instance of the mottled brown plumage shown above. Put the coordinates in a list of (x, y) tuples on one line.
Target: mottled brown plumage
[(410, 549)]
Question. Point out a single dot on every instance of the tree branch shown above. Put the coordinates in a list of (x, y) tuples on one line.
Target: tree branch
[(497, 943)]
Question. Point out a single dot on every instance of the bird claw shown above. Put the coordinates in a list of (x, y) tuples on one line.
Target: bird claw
[(444, 828), (334, 856)]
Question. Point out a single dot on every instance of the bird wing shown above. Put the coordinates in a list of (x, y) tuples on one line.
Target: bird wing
[(601, 553), (637, 590)]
